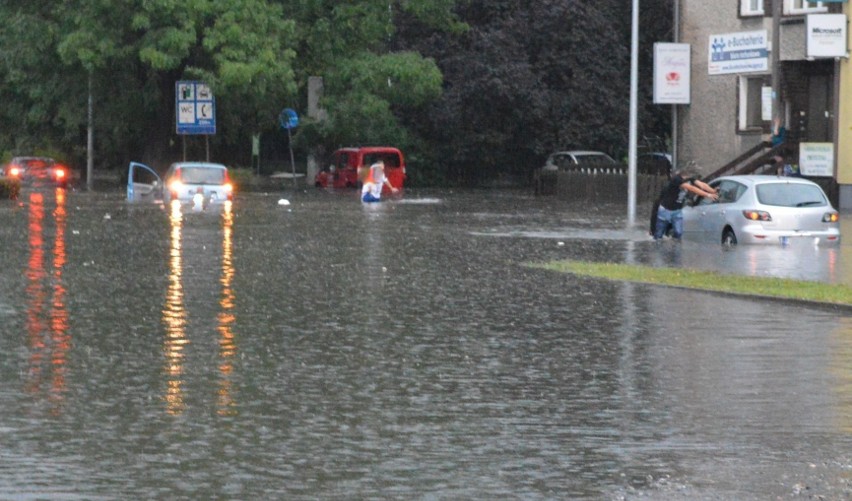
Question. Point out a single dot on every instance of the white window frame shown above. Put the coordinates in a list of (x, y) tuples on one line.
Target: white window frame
[(747, 8), (750, 103), (794, 7)]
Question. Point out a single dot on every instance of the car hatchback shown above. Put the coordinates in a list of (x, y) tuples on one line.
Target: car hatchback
[(37, 171), (185, 181), (763, 210)]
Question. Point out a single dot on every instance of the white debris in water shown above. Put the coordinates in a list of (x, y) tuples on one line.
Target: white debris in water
[(283, 201), (107, 216), (560, 244)]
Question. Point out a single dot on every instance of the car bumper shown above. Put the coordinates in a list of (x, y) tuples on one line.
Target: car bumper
[(788, 237)]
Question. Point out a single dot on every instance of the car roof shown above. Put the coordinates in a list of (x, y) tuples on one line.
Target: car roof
[(370, 149), (754, 179), (207, 165), (580, 153)]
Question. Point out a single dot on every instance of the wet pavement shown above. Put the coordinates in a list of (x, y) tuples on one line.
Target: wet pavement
[(324, 349)]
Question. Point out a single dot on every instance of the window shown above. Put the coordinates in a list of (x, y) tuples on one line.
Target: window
[(751, 103), (803, 7), (751, 7)]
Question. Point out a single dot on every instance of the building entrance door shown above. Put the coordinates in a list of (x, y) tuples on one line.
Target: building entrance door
[(820, 95)]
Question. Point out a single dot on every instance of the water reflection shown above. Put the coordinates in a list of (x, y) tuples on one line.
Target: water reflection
[(226, 317), (47, 317), (175, 315)]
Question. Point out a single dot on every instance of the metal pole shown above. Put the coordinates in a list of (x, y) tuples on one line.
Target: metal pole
[(292, 161), (776, 61), (676, 39), (90, 138), (634, 85)]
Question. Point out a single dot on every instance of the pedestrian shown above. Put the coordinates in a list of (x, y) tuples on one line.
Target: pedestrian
[(672, 198), (371, 190)]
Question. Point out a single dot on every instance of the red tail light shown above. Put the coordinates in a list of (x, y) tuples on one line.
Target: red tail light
[(757, 215), (14, 171), (59, 173)]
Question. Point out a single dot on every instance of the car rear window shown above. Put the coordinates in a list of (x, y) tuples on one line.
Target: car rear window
[(790, 195), (202, 175)]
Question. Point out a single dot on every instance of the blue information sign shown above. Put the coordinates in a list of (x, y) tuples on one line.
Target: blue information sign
[(195, 108)]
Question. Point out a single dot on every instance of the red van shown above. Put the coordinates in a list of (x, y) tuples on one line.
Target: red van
[(342, 171)]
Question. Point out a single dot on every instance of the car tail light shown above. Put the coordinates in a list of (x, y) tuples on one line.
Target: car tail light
[(229, 188), (831, 217), (14, 171), (757, 215), (59, 173), (175, 186)]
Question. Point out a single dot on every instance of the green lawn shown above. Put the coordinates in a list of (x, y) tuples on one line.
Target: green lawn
[(707, 280)]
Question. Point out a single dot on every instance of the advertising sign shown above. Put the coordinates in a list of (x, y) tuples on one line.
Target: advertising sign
[(826, 35), (742, 52), (671, 73), (195, 108), (816, 159)]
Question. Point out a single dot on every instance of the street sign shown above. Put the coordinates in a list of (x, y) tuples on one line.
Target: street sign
[(195, 108), (288, 119)]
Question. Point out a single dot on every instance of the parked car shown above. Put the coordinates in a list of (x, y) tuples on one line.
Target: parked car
[(763, 210), (37, 171), (342, 171), (655, 163), (570, 160)]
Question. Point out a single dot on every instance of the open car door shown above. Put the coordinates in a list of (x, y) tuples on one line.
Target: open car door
[(143, 184)]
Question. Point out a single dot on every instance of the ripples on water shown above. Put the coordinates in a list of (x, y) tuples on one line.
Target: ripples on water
[(329, 350)]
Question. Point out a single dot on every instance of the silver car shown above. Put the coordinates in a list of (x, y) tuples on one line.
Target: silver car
[(763, 210)]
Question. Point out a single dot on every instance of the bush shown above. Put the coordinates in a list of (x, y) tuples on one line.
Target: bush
[(9, 188)]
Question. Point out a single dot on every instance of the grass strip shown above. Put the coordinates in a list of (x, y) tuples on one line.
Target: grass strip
[(708, 280)]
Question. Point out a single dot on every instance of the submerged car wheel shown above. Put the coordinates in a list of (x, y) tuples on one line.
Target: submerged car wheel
[(729, 238)]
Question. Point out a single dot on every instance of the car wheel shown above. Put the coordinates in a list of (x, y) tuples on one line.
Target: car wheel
[(729, 238)]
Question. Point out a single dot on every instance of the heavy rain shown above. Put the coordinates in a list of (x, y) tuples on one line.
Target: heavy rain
[(304, 345)]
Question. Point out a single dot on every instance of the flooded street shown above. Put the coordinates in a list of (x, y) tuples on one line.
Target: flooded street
[(326, 349)]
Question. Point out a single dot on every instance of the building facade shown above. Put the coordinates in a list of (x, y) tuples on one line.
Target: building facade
[(740, 86)]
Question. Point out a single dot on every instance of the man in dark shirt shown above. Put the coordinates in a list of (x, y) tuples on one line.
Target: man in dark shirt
[(672, 198)]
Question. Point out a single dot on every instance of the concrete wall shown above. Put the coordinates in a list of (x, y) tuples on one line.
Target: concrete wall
[(707, 128)]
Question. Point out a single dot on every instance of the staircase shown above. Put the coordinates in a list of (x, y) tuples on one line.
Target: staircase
[(755, 161)]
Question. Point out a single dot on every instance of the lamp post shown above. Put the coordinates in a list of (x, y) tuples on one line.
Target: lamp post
[(634, 85)]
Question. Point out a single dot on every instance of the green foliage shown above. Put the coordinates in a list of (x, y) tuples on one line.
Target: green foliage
[(468, 88)]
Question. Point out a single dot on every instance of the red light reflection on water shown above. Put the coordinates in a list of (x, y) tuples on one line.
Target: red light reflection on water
[(47, 316)]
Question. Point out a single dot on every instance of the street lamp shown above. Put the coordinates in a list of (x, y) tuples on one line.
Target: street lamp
[(634, 85)]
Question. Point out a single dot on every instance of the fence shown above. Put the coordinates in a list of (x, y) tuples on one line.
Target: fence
[(595, 185)]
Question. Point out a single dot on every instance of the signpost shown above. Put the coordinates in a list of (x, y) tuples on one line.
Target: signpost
[(288, 119), (195, 110)]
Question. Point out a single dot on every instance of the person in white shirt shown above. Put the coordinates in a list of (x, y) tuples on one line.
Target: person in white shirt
[(371, 191)]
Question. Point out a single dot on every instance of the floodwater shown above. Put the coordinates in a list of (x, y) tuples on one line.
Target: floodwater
[(324, 349)]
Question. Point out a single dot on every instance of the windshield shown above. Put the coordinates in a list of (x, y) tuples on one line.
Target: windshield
[(790, 195), (202, 175)]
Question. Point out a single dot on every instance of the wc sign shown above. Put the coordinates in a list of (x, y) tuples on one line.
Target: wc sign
[(195, 108)]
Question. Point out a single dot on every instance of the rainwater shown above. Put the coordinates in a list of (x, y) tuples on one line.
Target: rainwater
[(326, 349)]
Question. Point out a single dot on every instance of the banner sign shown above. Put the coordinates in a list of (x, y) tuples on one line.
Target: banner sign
[(826, 35), (742, 52), (671, 73), (195, 108)]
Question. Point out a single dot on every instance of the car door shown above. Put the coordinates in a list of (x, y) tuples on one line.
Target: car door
[(143, 184), (711, 217)]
